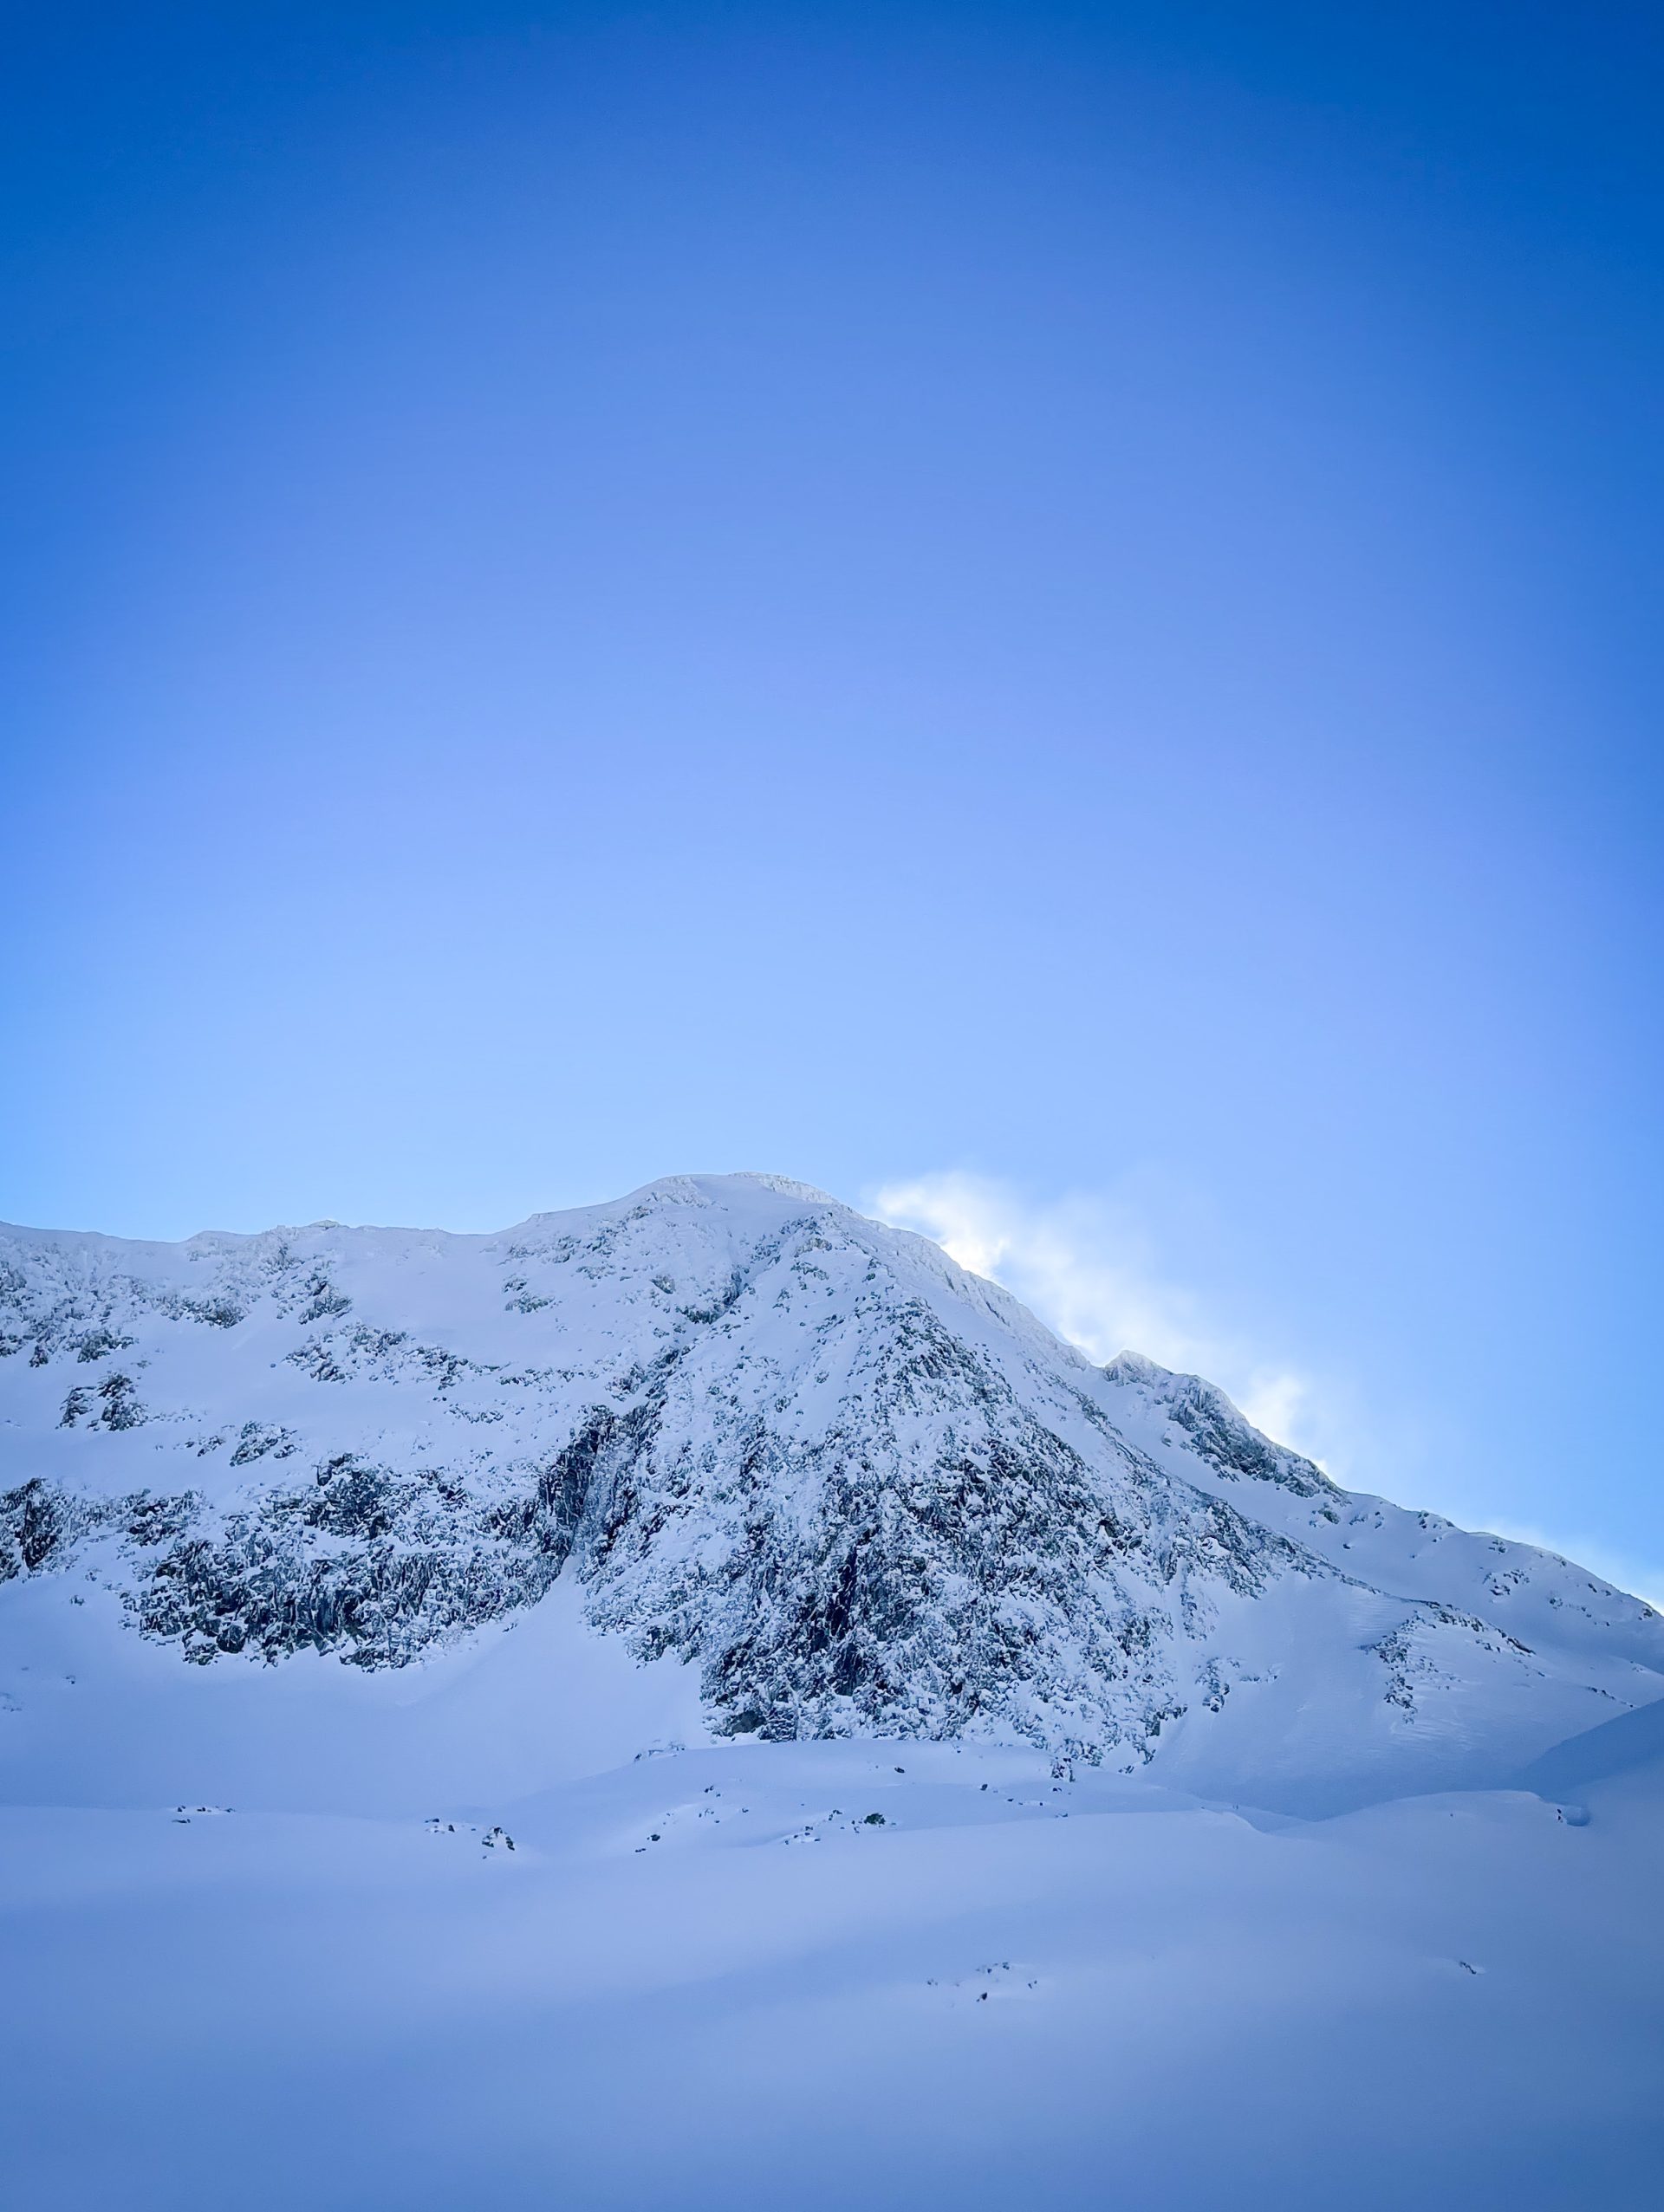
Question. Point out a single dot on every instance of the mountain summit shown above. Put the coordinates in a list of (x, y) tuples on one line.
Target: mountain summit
[(855, 1489)]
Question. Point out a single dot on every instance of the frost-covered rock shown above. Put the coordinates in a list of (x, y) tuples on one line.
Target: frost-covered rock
[(861, 1489)]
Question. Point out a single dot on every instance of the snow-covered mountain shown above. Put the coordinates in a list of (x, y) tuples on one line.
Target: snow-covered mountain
[(856, 1489), (701, 1702)]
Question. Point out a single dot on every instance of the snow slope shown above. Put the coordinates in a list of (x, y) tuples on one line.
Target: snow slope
[(700, 1702)]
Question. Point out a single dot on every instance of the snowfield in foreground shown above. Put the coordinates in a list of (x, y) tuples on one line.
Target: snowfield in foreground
[(699, 1701), (772, 1972)]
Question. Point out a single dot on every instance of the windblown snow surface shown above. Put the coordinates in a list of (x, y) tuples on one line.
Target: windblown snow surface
[(701, 1702)]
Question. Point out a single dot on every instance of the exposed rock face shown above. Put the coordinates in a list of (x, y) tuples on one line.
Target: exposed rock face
[(859, 1488), (1217, 1434)]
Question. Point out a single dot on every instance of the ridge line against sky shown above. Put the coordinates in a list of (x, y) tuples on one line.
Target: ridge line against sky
[(1083, 1265)]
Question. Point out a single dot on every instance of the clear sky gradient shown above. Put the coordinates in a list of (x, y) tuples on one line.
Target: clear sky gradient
[(1045, 616)]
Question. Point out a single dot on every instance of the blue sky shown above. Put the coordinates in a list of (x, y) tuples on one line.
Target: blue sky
[(1043, 616)]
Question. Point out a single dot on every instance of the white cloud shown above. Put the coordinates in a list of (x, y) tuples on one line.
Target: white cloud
[(1272, 1400), (1084, 1266)]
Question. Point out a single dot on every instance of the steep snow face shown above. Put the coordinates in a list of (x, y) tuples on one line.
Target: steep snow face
[(860, 1489)]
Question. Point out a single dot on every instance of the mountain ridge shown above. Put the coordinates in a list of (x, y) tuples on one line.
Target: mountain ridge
[(858, 1488)]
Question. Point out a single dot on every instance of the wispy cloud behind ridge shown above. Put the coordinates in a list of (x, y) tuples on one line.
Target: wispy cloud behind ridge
[(1082, 1264)]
